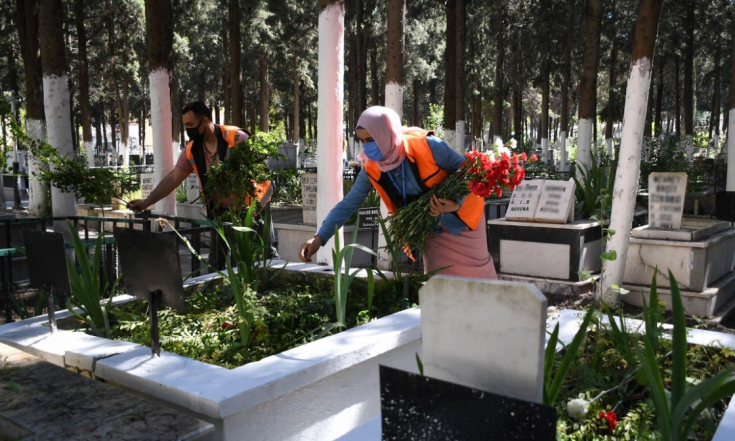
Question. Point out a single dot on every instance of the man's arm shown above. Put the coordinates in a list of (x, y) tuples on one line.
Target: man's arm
[(163, 189)]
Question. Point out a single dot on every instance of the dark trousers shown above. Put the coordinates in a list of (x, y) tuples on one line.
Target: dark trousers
[(218, 251)]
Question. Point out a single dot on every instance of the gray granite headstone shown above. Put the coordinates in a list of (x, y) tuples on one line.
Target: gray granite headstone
[(556, 204), (308, 193), (523, 202), (666, 193), (484, 334)]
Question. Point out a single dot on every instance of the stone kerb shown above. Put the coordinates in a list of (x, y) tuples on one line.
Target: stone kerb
[(317, 391), (484, 334)]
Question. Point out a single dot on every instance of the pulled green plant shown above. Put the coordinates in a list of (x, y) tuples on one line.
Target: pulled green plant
[(87, 288), (244, 165), (592, 183)]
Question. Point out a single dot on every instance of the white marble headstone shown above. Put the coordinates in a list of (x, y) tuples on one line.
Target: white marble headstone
[(484, 334), (147, 184), (308, 194), (524, 200), (666, 193), (556, 204)]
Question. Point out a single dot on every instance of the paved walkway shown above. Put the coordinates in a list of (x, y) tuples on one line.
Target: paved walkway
[(41, 401)]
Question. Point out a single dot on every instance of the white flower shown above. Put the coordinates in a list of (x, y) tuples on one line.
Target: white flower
[(512, 143), (577, 408)]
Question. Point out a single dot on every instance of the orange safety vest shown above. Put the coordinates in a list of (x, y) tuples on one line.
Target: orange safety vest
[(422, 161), (263, 191)]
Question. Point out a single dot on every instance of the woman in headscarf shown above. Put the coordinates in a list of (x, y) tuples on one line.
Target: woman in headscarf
[(402, 163)]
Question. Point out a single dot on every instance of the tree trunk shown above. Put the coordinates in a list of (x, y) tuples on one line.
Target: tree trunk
[(716, 104), (545, 91), (27, 22), (374, 81), (235, 68), (227, 101), (566, 81), (730, 182), (394, 57), (265, 101), (296, 101), (330, 110), (416, 86), (125, 117), (588, 84), (677, 100), (459, 63), (159, 33), (628, 170), (105, 148), (84, 106), (659, 99), (450, 74), (609, 125), (56, 99), (176, 123), (689, 82), (498, 101)]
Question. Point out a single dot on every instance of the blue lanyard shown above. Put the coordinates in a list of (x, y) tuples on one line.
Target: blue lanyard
[(403, 178)]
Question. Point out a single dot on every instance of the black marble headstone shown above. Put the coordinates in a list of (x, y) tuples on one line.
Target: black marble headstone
[(149, 263), (46, 258), (419, 408)]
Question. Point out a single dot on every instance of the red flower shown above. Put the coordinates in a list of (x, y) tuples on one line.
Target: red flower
[(534, 158), (610, 417), (226, 326)]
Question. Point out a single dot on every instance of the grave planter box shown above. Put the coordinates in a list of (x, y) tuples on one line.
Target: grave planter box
[(548, 251), (317, 391)]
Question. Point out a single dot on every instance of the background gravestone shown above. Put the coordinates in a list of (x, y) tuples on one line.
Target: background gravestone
[(308, 196), (147, 184), (524, 200), (484, 334), (666, 193), (556, 204), (192, 188)]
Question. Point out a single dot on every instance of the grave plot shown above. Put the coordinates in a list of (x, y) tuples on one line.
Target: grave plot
[(538, 241), (508, 386), (699, 252), (332, 370)]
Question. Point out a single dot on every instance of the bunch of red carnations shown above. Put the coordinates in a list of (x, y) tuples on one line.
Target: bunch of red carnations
[(490, 173)]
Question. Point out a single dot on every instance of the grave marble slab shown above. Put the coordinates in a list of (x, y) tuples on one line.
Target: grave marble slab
[(666, 193), (147, 184), (484, 334), (419, 408), (524, 200), (556, 204)]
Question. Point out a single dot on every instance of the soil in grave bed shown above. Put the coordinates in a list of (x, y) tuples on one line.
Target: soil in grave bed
[(605, 372), (291, 312)]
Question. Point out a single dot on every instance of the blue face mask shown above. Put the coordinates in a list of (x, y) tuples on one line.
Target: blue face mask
[(372, 151)]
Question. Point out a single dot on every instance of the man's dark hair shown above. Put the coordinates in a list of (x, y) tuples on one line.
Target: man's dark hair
[(199, 108)]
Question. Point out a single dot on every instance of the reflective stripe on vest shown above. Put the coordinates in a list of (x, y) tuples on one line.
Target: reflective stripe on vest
[(419, 153), (263, 191)]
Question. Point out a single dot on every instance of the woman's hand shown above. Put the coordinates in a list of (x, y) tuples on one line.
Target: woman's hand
[(441, 206), (309, 248)]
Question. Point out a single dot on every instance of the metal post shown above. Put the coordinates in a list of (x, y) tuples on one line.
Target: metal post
[(155, 338)]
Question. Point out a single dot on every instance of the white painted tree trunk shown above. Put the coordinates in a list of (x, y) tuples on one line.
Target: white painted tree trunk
[(584, 144), (163, 156), (37, 204), (56, 109), (730, 183), (125, 148), (609, 144), (627, 174), (89, 153), (329, 118), (449, 138), (716, 144), (563, 150), (459, 137), (689, 146), (394, 98), (545, 150)]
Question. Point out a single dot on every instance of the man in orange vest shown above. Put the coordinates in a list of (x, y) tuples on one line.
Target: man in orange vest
[(208, 145)]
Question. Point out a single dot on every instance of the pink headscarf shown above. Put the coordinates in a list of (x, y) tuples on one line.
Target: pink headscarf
[(384, 126)]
